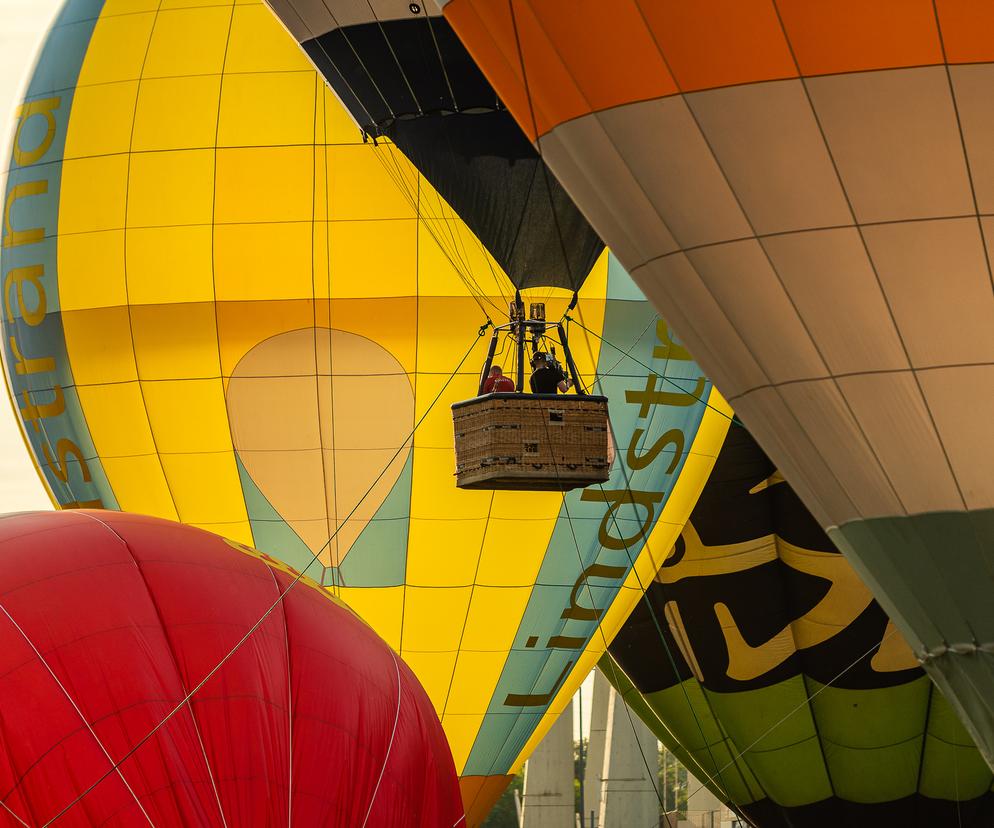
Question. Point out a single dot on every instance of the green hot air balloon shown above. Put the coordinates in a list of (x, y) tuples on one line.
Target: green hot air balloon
[(763, 661)]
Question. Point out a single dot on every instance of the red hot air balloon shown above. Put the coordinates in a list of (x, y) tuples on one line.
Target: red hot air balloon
[(109, 622)]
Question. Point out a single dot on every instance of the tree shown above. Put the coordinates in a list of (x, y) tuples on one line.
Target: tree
[(505, 813), (672, 782)]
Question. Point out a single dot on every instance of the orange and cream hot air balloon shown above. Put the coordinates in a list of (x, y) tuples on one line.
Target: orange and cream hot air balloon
[(804, 188)]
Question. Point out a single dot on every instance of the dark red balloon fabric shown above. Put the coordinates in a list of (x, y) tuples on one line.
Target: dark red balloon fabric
[(108, 620)]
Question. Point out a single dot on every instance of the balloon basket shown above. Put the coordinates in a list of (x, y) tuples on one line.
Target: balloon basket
[(532, 442)]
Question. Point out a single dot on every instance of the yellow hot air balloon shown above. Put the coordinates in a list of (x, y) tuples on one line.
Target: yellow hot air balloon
[(804, 189), (220, 309)]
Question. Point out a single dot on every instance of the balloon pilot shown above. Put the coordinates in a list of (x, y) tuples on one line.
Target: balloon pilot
[(547, 376), (547, 440)]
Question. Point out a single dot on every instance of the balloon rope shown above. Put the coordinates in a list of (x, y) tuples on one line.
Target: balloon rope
[(538, 149), (448, 139), (600, 627), (652, 612), (648, 603), (662, 637), (641, 587), (645, 595), (279, 600), (448, 223), (698, 768), (739, 754), (79, 712), (450, 246), (449, 253), (733, 419), (393, 733), (438, 53)]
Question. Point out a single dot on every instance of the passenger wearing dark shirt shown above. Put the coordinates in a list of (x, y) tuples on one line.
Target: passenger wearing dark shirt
[(547, 377)]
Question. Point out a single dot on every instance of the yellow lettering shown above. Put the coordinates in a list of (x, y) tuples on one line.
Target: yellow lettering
[(537, 699), (12, 237), (30, 366), (894, 653), (574, 611), (650, 396), (844, 602), (16, 278), (674, 620), (60, 467), (33, 412), (668, 349), (84, 504), (566, 642), (45, 108), (615, 497), (672, 437)]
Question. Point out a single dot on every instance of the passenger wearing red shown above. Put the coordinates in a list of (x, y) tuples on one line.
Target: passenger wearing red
[(497, 382)]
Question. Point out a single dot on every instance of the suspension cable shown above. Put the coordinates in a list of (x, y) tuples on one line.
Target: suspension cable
[(634, 570), (652, 613), (645, 595), (541, 159), (455, 235), (462, 272), (808, 699), (449, 249), (734, 420)]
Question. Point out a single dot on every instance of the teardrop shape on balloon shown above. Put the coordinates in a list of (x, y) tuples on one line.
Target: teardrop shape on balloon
[(316, 415)]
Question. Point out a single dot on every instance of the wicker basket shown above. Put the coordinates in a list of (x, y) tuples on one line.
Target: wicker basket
[(538, 442)]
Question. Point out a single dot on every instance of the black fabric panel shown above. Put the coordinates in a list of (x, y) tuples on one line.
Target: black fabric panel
[(911, 812), (795, 524), (651, 662), (725, 512), (763, 599), (455, 130)]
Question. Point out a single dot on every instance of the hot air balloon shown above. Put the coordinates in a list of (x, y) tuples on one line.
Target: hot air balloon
[(802, 189), (224, 312), (158, 674), (762, 659)]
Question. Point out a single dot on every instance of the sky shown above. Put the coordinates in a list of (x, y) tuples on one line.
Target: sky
[(23, 24)]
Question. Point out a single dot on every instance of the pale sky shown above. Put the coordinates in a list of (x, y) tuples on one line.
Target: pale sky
[(22, 26)]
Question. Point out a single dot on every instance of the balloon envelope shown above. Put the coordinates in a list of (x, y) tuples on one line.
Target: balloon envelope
[(111, 620), (236, 320), (804, 190), (762, 659), (403, 75)]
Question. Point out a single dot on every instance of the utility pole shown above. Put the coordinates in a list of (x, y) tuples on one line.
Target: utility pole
[(549, 800)]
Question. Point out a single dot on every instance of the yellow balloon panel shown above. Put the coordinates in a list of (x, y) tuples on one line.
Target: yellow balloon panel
[(250, 321)]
